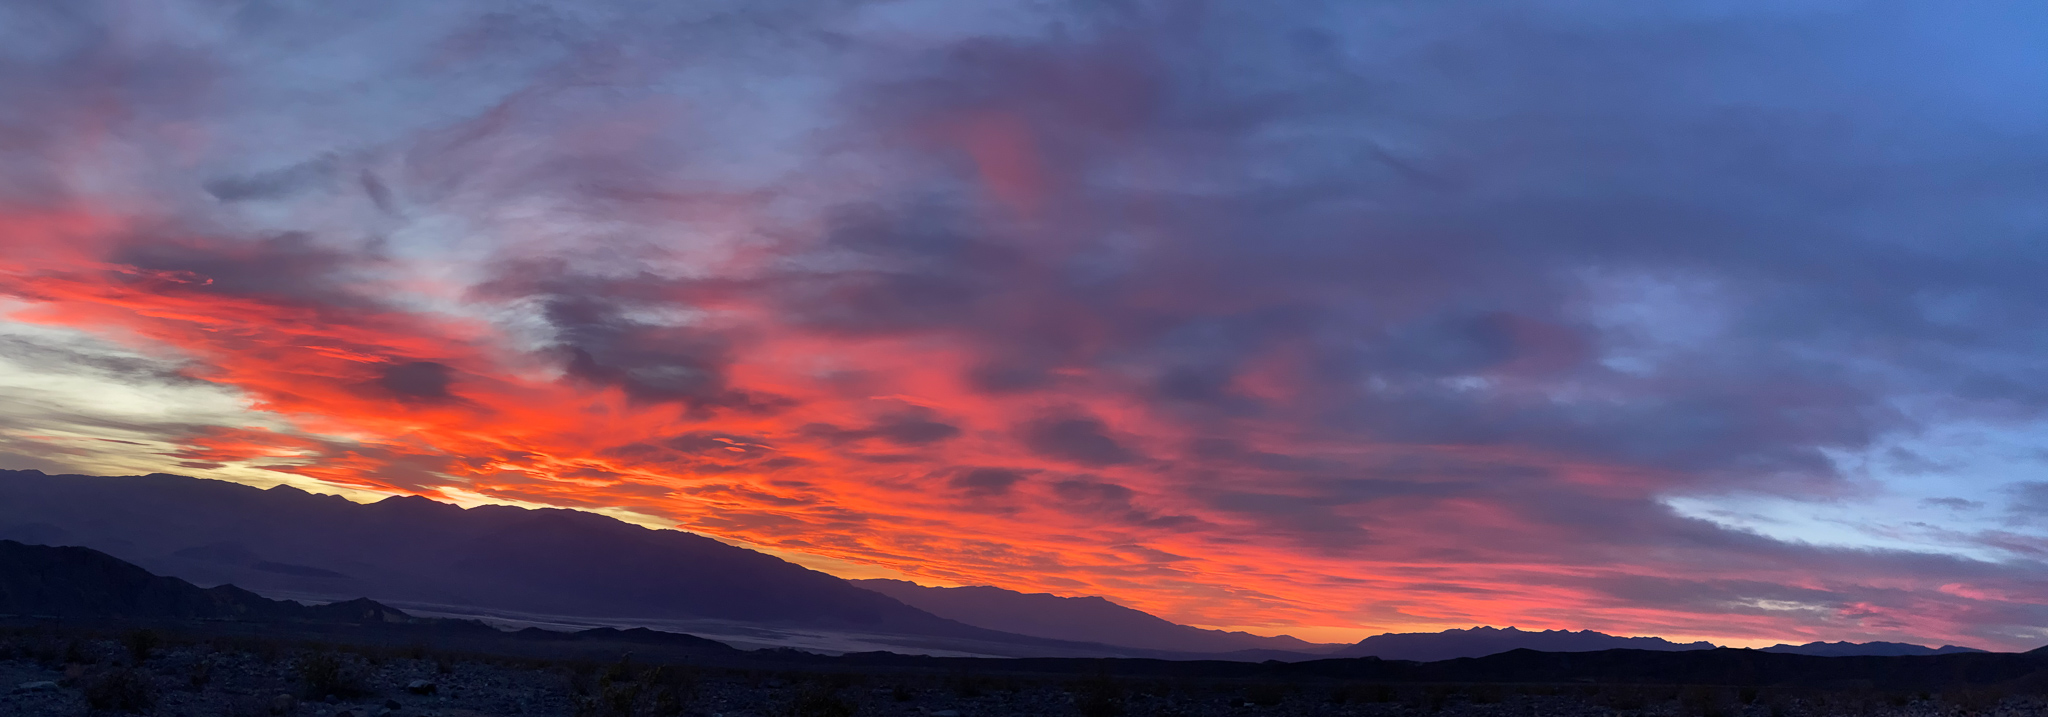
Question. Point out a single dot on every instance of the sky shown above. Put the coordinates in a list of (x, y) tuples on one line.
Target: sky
[(1715, 320)]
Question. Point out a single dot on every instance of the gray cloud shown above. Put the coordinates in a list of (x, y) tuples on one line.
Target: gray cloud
[(276, 183), (913, 427), (984, 482), (2030, 502), (417, 381), (1074, 439), (1952, 503)]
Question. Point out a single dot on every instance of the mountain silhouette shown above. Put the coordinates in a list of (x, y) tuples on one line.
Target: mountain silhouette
[(498, 559), (284, 541), (1086, 619), (94, 591), (1850, 649), (1483, 641), (72, 582)]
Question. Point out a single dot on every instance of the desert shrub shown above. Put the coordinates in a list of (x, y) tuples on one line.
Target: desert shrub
[(1265, 694), (77, 653), (1624, 698), (1974, 700), (610, 700), (246, 706), (1859, 701), (622, 690), (1099, 696), (582, 677), (621, 671), (141, 645), (1702, 701), (1778, 703), (266, 651), (121, 690), (1484, 694), (1352, 692), (199, 674), (901, 693), (819, 701), (2035, 683), (670, 690), (1431, 699), (1692, 700), (968, 686), (326, 674), (45, 652)]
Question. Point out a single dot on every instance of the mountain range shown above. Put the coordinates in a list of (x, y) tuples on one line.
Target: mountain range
[(1089, 619), (1481, 641), (1857, 649), (95, 593), (1100, 620), (70, 582), (492, 559), (487, 559)]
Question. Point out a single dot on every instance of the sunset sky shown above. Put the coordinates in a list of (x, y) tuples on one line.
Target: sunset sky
[(1711, 320)]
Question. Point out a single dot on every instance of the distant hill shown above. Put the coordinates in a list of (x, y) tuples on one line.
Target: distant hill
[(410, 549), (1087, 619), (1483, 641), (1719, 666), (86, 588), (1883, 649), (70, 582)]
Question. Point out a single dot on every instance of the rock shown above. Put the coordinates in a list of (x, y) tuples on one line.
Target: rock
[(392, 705), (283, 705), (946, 713), (345, 713), (422, 687), (37, 686)]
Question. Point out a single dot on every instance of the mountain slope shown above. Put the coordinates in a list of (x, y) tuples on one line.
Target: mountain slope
[(1087, 619), (73, 582), (1482, 641), (562, 562), (1883, 649)]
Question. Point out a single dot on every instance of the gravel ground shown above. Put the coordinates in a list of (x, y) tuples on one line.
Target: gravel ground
[(89, 677)]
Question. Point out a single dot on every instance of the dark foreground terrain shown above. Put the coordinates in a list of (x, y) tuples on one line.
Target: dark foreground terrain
[(82, 632), (54, 670)]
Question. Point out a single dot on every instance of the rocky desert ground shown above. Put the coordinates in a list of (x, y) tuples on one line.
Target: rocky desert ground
[(49, 674)]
